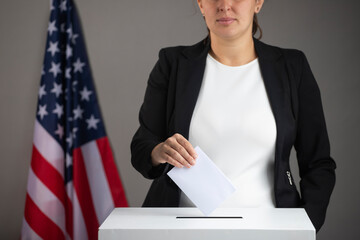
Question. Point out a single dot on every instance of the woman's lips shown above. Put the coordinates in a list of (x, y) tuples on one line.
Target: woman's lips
[(225, 21)]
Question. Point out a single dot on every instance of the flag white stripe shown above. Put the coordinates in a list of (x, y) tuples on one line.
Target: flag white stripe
[(99, 186), (46, 201), (80, 231), (49, 148), (27, 233)]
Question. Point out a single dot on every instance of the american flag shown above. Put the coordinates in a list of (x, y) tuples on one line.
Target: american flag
[(73, 182)]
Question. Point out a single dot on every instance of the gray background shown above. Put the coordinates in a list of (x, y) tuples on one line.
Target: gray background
[(123, 39)]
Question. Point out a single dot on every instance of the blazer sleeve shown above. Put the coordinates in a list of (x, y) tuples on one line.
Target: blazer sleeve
[(317, 168), (152, 118)]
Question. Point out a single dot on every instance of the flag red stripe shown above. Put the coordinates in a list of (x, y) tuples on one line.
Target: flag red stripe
[(82, 189), (49, 176), (116, 188), (53, 180), (40, 223)]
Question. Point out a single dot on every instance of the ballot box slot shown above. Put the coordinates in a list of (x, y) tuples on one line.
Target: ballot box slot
[(203, 217)]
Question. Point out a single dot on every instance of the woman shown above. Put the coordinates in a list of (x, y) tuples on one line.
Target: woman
[(246, 104)]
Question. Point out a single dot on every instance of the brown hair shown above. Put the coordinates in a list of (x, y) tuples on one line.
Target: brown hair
[(256, 27)]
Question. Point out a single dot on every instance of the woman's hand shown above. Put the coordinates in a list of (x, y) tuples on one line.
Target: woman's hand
[(176, 150)]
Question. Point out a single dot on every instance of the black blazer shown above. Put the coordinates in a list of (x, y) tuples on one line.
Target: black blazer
[(294, 96)]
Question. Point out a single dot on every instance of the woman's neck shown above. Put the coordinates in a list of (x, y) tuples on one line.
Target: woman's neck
[(233, 52)]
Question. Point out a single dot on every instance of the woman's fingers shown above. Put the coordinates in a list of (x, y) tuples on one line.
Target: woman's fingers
[(186, 146), (173, 162), (174, 153), (176, 150), (183, 149)]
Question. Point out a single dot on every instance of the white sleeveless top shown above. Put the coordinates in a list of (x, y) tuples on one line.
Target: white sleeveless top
[(234, 125)]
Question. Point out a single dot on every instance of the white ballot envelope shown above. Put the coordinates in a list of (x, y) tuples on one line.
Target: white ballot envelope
[(204, 183)]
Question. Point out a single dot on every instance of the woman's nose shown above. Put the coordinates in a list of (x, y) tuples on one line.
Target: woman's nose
[(224, 5)]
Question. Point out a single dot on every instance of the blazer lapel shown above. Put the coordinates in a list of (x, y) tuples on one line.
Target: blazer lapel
[(273, 69), (272, 72), (190, 74)]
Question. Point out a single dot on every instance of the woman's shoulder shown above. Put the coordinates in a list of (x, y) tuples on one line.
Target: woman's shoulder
[(201, 48), (290, 54), (187, 51)]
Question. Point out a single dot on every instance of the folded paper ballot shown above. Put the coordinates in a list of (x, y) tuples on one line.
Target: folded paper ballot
[(204, 183)]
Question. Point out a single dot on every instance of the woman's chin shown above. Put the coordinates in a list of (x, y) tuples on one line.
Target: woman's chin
[(228, 35)]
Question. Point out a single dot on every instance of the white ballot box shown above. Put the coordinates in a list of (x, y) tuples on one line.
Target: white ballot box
[(222, 224)]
